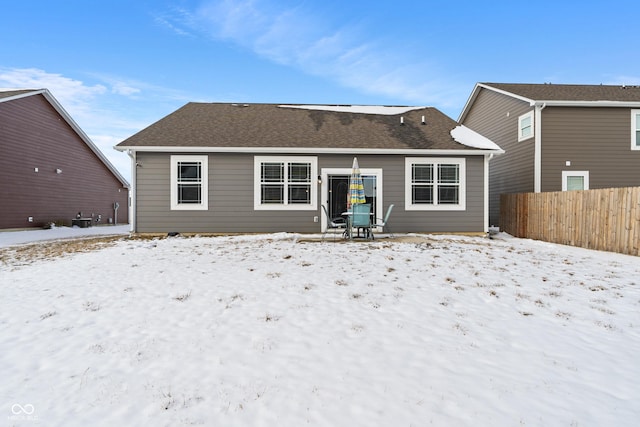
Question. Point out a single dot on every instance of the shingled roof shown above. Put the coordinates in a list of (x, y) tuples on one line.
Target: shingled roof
[(8, 93), (263, 126), (564, 92)]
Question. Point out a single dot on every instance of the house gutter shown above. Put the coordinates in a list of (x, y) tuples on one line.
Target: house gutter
[(133, 191), (294, 150), (594, 104), (487, 159), (537, 153)]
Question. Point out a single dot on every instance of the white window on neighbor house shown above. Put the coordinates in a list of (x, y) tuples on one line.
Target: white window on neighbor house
[(575, 180), (285, 183), (635, 129), (525, 126), (433, 183), (189, 178)]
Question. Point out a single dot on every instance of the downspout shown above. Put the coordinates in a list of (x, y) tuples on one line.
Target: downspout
[(537, 153), (132, 207), (487, 159)]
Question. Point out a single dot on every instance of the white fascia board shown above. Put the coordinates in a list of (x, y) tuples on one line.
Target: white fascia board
[(22, 95), (470, 100), (475, 92), (60, 109), (294, 150), (507, 93), (622, 104)]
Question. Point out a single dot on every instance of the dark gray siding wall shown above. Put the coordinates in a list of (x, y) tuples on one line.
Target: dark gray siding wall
[(470, 220), (34, 135), (597, 140), (495, 116), (231, 198)]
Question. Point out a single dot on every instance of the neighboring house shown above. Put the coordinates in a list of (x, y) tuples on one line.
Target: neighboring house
[(557, 137), (212, 167), (49, 169)]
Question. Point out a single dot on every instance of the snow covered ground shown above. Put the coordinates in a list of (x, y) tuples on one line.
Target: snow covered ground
[(276, 330)]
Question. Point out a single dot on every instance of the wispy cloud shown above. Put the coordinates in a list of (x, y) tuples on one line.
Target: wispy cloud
[(124, 89), (88, 104), (177, 21), (297, 37), (72, 94)]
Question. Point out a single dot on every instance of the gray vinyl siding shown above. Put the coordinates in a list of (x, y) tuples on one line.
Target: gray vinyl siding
[(469, 220), (597, 140), (231, 206), (495, 116)]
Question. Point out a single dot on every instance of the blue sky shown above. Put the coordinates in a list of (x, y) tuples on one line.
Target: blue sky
[(118, 66)]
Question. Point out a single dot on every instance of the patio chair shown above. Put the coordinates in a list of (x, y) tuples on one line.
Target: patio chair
[(337, 223), (361, 218), (384, 223)]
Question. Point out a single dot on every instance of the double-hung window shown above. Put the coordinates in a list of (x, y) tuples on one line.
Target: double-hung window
[(525, 126), (285, 183), (435, 184), (635, 129), (189, 177)]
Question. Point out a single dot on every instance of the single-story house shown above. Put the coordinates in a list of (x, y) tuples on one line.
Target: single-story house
[(217, 167), (50, 170)]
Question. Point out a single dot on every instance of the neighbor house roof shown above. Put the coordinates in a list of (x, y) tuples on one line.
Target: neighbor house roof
[(14, 93), (295, 128), (562, 94), (559, 92), (7, 95)]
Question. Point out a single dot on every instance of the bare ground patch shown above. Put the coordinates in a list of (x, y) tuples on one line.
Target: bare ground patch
[(26, 254)]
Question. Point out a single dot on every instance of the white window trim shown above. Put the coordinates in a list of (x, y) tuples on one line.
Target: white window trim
[(257, 201), (462, 204), (635, 144), (520, 120), (204, 202), (567, 174)]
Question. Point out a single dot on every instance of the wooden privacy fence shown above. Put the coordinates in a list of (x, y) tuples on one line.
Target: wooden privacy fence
[(606, 219)]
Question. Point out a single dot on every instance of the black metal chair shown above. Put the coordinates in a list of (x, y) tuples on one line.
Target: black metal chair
[(337, 223)]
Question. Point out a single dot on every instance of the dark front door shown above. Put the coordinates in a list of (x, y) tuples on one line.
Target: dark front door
[(338, 189)]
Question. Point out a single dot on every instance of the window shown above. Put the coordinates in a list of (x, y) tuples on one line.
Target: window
[(635, 129), (575, 180), (189, 176), (285, 183), (435, 184), (525, 126)]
